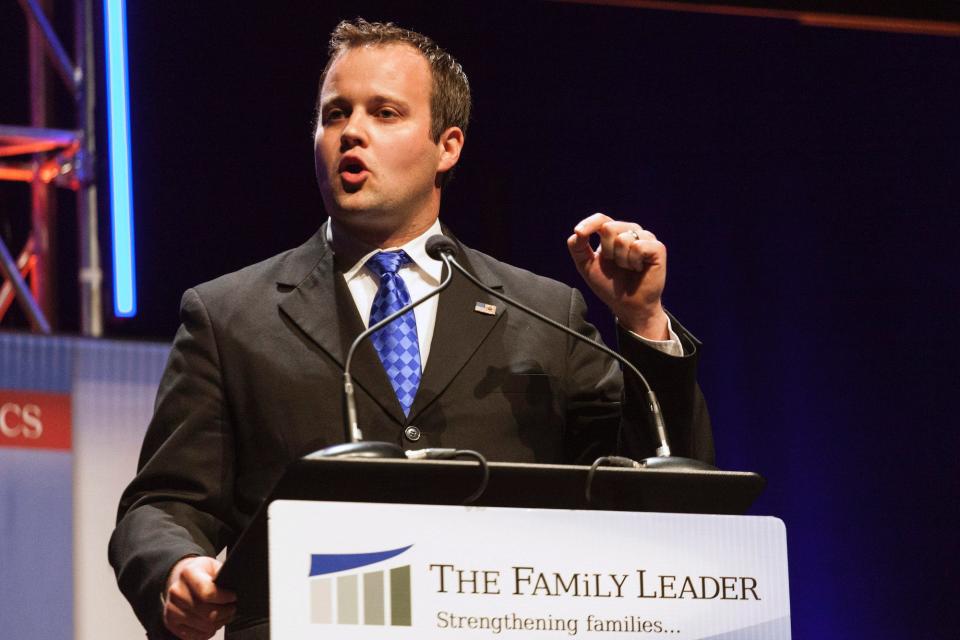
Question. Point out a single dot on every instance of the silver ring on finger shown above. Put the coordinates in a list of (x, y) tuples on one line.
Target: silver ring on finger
[(633, 232)]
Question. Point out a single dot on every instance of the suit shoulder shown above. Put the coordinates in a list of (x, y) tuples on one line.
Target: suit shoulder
[(288, 267), (241, 281)]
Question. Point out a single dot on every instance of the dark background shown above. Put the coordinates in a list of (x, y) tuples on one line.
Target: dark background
[(805, 181)]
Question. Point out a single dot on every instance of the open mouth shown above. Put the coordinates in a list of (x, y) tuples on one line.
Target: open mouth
[(353, 173), (352, 166)]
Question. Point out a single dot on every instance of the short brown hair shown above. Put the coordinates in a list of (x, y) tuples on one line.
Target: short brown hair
[(450, 93)]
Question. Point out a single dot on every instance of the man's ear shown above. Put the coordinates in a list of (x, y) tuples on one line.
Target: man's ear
[(450, 143)]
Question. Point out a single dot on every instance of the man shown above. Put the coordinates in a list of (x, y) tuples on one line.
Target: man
[(253, 378)]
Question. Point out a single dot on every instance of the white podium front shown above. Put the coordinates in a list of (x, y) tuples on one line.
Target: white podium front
[(350, 570)]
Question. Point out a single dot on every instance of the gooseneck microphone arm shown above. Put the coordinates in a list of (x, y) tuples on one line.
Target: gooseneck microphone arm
[(352, 433), (443, 248)]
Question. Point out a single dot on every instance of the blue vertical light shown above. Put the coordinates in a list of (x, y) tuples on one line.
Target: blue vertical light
[(121, 183)]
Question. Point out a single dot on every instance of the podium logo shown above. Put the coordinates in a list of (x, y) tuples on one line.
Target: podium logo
[(342, 592)]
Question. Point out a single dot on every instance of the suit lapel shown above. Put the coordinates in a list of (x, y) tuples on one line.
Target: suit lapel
[(320, 304), (458, 333)]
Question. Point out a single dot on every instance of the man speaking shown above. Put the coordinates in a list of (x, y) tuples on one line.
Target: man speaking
[(253, 380)]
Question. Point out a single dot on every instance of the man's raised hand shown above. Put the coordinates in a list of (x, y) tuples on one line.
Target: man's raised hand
[(627, 271)]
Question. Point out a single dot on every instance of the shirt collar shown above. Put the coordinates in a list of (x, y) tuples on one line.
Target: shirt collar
[(416, 249)]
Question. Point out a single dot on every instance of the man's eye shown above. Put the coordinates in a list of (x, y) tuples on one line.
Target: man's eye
[(333, 114), (388, 113)]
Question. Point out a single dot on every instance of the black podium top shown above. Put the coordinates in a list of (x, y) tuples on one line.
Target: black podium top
[(450, 482)]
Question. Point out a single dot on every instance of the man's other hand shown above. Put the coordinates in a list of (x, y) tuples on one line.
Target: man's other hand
[(627, 271), (194, 607)]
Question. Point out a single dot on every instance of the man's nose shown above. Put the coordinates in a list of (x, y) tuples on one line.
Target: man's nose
[(354, 132)]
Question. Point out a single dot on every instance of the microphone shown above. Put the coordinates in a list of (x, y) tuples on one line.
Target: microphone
[(438, 246), (443, 248), (354, 445)]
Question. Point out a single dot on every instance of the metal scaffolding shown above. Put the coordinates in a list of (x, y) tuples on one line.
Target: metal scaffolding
[(47, 158)]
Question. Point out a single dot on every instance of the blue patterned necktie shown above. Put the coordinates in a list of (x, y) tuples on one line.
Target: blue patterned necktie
[(396, 343)]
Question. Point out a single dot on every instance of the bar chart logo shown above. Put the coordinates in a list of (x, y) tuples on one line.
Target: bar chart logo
[(341, 592)]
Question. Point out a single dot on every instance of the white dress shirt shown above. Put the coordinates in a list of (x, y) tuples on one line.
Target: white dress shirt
[(422, 275)]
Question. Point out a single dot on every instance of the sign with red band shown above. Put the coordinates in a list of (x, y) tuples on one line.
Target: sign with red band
[(35, 420)]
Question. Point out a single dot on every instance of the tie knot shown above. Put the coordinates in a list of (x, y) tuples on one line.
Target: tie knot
[(387, 262)]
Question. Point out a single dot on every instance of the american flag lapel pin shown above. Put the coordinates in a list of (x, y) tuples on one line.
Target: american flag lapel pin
[(486, 309)]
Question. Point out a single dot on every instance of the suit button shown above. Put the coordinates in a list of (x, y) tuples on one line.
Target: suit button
[(412, 433)]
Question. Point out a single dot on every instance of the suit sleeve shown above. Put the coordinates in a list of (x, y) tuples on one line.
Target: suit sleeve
[(607, 408), (180, 502)]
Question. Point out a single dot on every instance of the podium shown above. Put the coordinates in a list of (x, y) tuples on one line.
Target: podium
[(383, 549)]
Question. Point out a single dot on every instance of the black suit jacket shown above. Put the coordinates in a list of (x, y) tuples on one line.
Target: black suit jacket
[(254, 378)]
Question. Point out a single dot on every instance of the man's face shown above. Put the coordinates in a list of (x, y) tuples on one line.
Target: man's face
[(376, 160)]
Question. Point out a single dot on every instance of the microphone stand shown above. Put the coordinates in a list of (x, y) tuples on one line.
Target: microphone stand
[(663, 459), (355, 446), (443, 248)]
